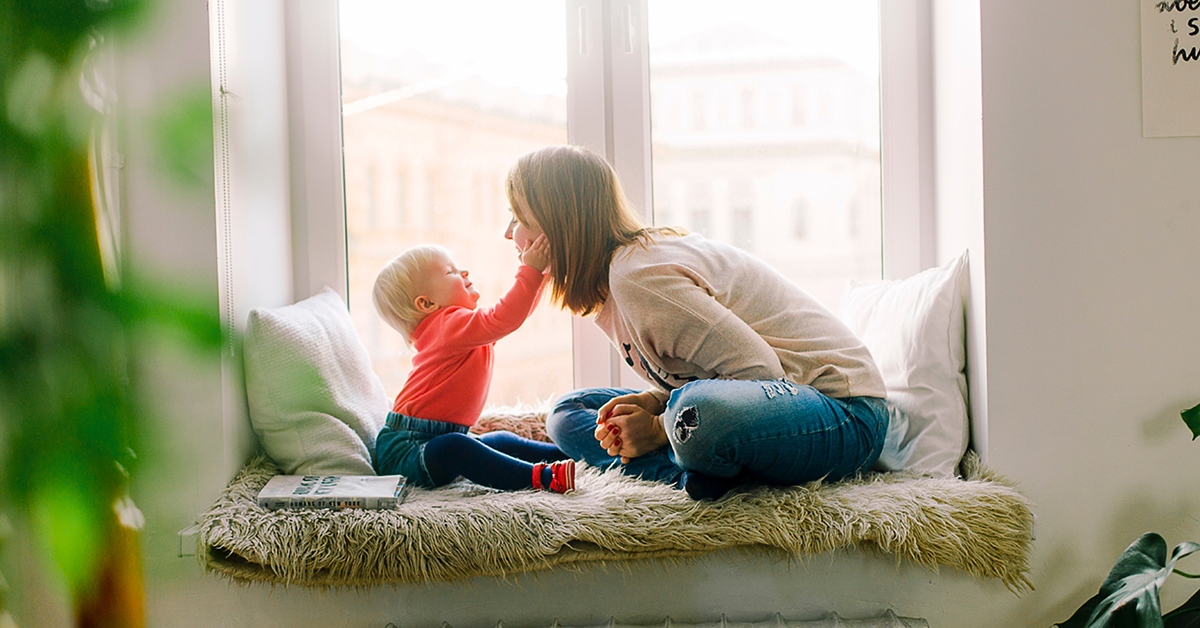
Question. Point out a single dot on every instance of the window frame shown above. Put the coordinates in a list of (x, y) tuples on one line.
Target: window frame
[(314, 113)]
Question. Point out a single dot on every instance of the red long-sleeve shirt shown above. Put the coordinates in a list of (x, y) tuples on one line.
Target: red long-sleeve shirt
[(452, 369)]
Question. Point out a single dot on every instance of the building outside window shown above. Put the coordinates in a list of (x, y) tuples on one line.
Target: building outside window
[(455, 116), (736, 53)]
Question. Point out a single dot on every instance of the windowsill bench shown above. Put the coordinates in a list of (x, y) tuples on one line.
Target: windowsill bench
[(978, 524)]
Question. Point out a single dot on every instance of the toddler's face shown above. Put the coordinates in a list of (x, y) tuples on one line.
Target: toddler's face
[(445, 284)]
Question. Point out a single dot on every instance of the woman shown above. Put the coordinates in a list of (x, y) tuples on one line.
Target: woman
[(753, 379)]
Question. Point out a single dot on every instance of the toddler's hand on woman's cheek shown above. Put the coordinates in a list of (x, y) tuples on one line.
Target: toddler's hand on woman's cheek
[(537, 254)]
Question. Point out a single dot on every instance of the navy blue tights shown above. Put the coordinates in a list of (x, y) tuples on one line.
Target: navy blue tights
[(500, 460)]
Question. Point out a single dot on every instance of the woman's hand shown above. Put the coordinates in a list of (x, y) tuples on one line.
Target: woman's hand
[(537, 254), (628, 426)]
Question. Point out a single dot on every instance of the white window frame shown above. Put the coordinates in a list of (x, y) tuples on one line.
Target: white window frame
[(906, 98), (608, 112), (318, 198)]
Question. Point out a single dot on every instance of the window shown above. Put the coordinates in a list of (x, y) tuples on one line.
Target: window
[(685, 117), (448, 94), (728, 56)]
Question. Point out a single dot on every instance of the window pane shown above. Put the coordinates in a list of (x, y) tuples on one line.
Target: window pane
[(439, 100), (765, 118)]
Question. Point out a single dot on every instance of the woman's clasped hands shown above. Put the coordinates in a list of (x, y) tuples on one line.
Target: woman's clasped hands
[(628, 426)]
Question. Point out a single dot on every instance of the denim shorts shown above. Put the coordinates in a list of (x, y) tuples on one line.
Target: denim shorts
[(400, 446), (775, 432)]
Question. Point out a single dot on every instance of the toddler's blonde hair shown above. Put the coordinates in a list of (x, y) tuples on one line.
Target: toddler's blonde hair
[(396, 288)]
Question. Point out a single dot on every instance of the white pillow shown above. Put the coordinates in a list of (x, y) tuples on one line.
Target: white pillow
[(315, 403), (915, 331)]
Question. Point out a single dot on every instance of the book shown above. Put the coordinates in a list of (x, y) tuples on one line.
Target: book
[(300, 492)]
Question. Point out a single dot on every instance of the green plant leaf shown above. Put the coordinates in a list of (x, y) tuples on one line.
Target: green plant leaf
[(1129, 595), (1191, 416)]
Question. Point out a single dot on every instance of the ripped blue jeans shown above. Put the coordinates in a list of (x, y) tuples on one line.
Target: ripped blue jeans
[(773, 432)]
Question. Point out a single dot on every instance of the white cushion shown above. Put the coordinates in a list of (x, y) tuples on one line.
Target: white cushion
[(915, 331), (315, 403)]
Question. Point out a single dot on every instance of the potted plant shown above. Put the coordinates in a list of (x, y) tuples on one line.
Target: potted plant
[(1128, 598)]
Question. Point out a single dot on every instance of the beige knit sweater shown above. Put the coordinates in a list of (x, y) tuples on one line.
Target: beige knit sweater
[(687, 308)]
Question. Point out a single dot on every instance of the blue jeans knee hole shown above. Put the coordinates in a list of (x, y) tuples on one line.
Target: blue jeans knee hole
[(686, 422)]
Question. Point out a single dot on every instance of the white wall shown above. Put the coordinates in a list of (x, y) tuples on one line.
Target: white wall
[(1092, 300), (1093, 294), (171, 233)]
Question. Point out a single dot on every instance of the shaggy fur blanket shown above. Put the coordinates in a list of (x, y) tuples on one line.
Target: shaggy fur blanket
[(979, 524)]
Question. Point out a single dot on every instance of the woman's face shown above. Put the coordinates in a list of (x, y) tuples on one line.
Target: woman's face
[(523, 229)]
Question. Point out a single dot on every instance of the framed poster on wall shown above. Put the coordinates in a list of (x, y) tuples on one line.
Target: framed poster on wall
[(1170, 68)]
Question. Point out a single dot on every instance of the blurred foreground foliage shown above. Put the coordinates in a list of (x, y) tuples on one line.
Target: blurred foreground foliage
[(69, 423)]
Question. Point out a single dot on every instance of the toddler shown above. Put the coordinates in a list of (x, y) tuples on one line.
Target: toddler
[(432, 303)]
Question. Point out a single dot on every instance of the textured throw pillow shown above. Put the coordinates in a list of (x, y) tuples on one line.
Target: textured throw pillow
[(915, 331), (315, 403)]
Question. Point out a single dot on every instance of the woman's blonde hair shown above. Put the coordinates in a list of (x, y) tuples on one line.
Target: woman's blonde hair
[(398, 286), (576, 199)]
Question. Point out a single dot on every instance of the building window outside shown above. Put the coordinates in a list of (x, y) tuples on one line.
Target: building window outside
[(726, 102), (749, 119), (699, 115), (800, 219), (743, 228), (699, 211), (741, 215), (799, 105)]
